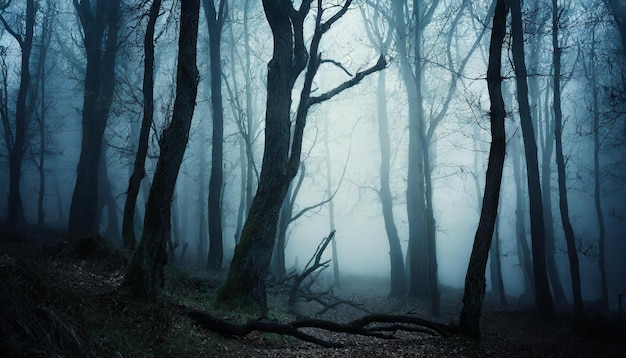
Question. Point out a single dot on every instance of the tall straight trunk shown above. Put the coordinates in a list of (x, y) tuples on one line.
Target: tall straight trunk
[(331, 206), (100, 40), (523, 251), (543, 297), (251, 122), (215, 21), (15, 209), (560, 164), (597, 182), (139, 168), (202, 203), (417, 255), (41, 118), (475, 279), (546, 183), (144, 275), (398, 278)]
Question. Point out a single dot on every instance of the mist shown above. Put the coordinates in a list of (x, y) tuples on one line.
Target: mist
[(437, 125)]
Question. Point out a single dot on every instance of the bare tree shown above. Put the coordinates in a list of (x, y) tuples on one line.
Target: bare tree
[(100, 22), (17, 146), (245, 283), (475, 278), (215, 22), (144, 275), (543, 297), (560, 163), (139, 168)]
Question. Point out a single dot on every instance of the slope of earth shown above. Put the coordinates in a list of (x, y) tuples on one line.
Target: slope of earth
[(61, 299)]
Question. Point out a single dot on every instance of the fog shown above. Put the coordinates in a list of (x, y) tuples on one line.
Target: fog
[(459, 146)]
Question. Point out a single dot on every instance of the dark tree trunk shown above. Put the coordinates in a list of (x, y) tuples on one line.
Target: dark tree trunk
[(618, 10), (244, 286), (495, 267), (543, 297), (15, 210), (475, 278), (398, 278), (144, 276), (546, 184), (251, 122), (215, 20), (202, 216), (597, 182), (139, 168), (560, 164), (520, 227), (107, 199), (46, 34), (417, 255), (100, 39)]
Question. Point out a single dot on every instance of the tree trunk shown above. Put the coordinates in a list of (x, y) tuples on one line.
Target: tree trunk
[(139, 168), (596, 176), (398, 278), (215, 22), (46, 34), (100, 40), (144, 276), (520, 228), (331, 206), (546, 174), (475, 278), (543, 297), (15, 209), (560, 164), (244, 286), (496, 274), (417, 255)]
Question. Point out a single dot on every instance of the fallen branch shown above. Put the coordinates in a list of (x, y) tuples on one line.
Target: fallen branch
[(375, 325)]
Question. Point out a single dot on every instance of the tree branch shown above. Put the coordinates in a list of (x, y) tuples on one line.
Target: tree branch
[(357, 327), (380, 65)]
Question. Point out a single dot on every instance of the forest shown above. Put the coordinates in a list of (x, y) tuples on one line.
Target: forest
[(290, 178)]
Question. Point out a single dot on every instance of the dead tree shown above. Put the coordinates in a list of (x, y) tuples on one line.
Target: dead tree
[(375, 325)]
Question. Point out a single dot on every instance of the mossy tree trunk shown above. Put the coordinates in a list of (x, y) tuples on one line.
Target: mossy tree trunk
[(144, 275), (244, 287)]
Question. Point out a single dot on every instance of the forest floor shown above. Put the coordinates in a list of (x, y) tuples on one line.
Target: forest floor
[(63, 300)]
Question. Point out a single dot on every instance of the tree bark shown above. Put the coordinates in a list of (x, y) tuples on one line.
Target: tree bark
[(144, 275), (215, 22), (244, 287), (520, 228), (100, 40), (15, 209), (398, 277), (560, 164), (139, 168), (475, 278), (597, 182), (543, 297), (417, 255)]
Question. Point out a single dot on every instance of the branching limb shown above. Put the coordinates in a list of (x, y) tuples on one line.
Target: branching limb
[(357, 327)]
